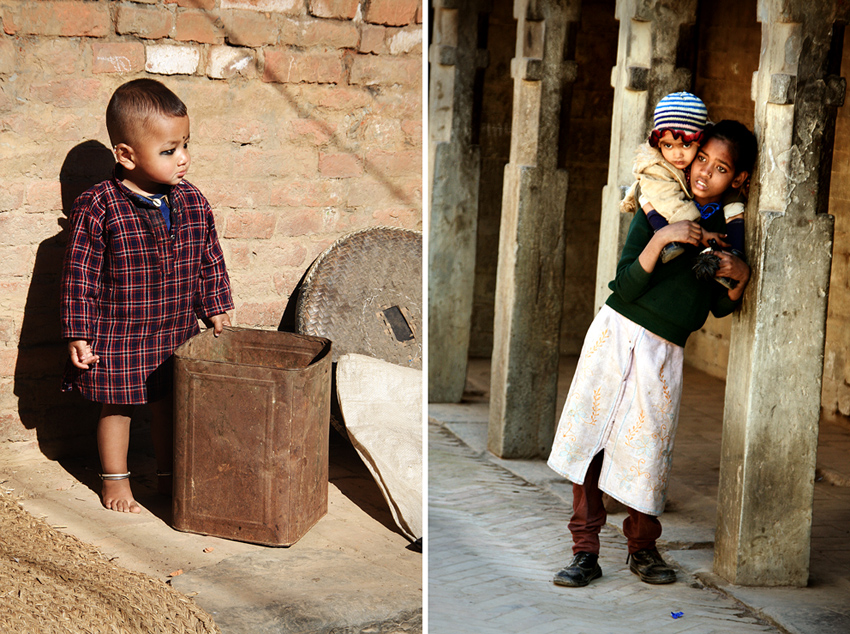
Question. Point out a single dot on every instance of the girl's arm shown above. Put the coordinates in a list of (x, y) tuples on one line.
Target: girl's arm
[(737, 269), (684, 231)]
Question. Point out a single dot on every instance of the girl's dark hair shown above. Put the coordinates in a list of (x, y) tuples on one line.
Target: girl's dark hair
[(133, 105), (742, 143)]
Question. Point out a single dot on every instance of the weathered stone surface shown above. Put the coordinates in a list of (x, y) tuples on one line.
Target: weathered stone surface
[(773, 391), (455, 173), (530, 284)]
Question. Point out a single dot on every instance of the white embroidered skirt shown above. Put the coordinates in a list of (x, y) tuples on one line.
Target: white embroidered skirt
[(624, 399)]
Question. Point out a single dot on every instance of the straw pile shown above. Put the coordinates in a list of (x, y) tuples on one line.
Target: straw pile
[(52, 582)]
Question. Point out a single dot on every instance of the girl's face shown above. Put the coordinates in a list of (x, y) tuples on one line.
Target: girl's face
[(713, 172)]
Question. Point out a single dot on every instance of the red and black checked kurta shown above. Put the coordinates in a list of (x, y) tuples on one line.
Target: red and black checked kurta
[(136, 291)]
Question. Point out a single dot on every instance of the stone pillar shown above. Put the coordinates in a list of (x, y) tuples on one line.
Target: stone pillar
[(529, 286), (654, 58), (773, 388), (454, 167)]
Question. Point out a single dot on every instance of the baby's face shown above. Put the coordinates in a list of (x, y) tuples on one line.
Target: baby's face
[(676, 151)]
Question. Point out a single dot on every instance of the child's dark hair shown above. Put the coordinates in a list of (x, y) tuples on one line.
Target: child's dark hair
[(133, 105), (742, 143)]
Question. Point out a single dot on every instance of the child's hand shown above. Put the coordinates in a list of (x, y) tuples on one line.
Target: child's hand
[(81, 354), (684, 231), (711, 235), (219, 322)]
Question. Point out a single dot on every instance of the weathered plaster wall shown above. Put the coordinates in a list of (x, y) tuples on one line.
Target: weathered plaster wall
[(728, 54), (836, 372), (306, 124)]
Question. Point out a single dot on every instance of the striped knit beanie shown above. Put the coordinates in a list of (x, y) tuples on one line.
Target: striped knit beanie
[(681, 113)]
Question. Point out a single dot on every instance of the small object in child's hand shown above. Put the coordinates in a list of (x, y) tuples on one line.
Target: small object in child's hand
[(677, 615)]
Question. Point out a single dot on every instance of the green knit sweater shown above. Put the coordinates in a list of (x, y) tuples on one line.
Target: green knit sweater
[(670, 302)]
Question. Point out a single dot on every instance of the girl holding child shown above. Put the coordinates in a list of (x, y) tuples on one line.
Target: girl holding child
[(616, 432)]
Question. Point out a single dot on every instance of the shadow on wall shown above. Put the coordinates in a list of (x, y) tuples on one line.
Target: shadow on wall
[(61, 420)]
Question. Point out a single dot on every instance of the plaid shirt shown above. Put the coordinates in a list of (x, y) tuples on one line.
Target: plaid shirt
[(135, 290)]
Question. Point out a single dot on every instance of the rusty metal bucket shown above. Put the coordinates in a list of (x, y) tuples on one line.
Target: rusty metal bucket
[(251, 418)]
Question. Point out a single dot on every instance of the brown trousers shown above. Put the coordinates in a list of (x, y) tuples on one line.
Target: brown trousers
[(589, 517)]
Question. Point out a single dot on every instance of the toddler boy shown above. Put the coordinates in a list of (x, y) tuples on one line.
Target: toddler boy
[(142, 265)]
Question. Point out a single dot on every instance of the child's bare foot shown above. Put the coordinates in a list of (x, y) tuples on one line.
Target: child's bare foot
[(117, 496)]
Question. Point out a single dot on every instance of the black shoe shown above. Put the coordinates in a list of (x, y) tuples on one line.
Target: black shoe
[(648, 565), (670, 251), (583, 569)]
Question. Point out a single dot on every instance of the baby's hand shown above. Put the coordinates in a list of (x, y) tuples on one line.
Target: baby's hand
[(219, 322), (81, 354), (711, 235)]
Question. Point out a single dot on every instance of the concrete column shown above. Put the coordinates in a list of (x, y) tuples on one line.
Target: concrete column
[(529, 286), (654, 58), (773, 387), (455, 169)]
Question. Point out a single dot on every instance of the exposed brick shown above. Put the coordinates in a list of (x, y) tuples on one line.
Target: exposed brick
[(412, 129), (392, 12), (68, 93), (306, 194), (198, 26), (243, 28), (118, 57), (206, 5), (44, 196), (300, 222), (289, 7), (398, 217), (11, 196), (308, 32), (16, 261), (260, 313), (227, 61), (340, 9), (237, 194), (291, 67), (373, 39), (310, 130), (340, 165), (67, 19), (340, 98), (152, 23), (61, 55), (7, 57), (369, 70), (402, 41), (250, 224), (170, 59)]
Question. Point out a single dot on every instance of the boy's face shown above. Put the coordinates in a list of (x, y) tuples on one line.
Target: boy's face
[(159, 159), (677, 151), (713, 172)]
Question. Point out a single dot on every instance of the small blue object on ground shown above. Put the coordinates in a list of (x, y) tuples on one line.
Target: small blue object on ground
[(677, 615)]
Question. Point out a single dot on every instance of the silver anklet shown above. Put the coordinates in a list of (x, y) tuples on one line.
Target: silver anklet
[(114, 476)]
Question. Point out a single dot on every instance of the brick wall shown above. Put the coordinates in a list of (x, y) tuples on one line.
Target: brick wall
[(836, 371), (728, 53), (306, 124)]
